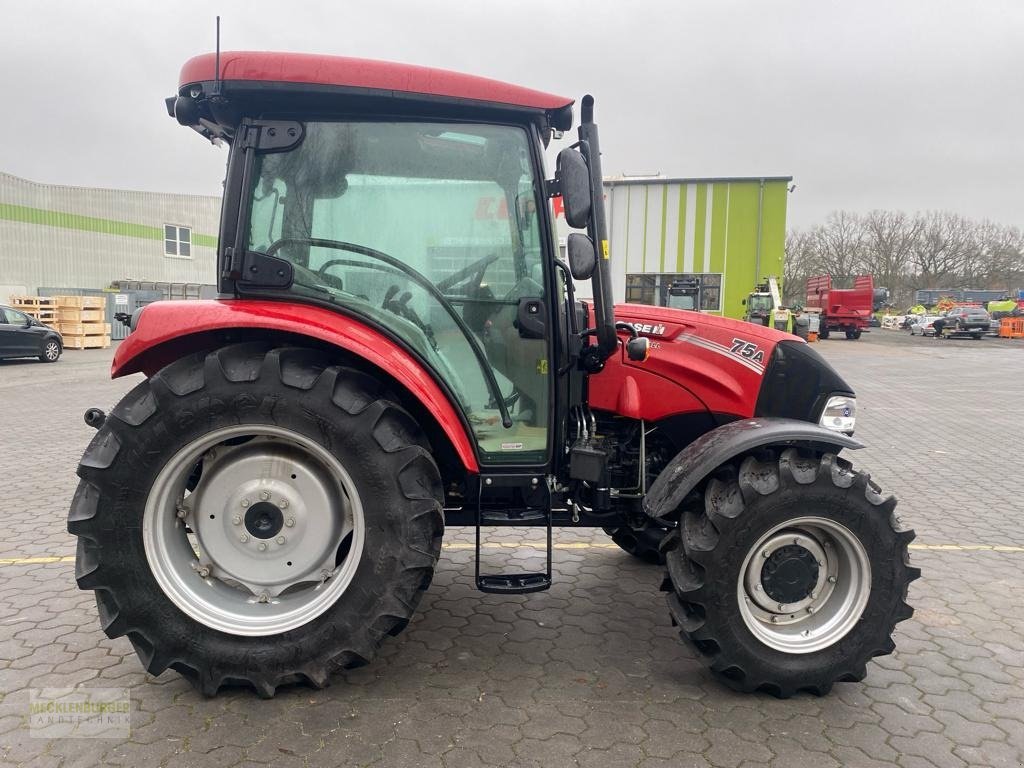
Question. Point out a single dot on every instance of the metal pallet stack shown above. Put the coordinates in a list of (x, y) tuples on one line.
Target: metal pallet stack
[(82, 321), (42, 308)]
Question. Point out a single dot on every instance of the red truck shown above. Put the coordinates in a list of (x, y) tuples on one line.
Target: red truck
[(842, 309)]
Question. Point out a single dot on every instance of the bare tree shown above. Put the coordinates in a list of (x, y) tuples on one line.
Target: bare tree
[(942, 248), (890, 237), (839, 243)]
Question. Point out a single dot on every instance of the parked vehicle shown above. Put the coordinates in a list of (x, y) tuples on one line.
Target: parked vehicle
[(401, 350), (972, 321), (846, 310), (923, 326), (24, 336)]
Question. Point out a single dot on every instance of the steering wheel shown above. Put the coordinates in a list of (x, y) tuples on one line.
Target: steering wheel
[(420, 279), (475, 270)]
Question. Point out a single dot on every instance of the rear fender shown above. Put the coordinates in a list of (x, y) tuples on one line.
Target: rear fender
[(167, 331), (695, 462)]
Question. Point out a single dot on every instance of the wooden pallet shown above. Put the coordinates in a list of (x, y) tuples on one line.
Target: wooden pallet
[(81, 302), (33, 302), (84, 329), (86, 342), (81, 315), (42, 308)]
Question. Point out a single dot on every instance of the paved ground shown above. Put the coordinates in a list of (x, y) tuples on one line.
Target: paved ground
[(589, 673)]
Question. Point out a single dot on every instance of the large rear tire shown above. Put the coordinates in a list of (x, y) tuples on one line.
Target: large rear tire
[(256, 516), (792, 576)]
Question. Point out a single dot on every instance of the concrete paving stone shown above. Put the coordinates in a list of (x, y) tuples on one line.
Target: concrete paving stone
[(591, 672)]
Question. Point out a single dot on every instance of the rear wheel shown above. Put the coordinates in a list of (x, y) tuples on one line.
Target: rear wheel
[(854, 334), (823, 333), (256, 516), (792, 576), (975, 336)]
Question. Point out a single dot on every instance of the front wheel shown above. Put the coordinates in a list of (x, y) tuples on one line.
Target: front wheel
[(256, 516), (792, 576), (823, 333), (51, 352)]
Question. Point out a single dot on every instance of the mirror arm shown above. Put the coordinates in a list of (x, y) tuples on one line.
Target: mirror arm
[(597, 228)]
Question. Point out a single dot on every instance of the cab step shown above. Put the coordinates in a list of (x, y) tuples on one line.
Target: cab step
[(513, 583)]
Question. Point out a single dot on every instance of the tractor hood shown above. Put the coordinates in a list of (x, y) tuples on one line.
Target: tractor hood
[(714, 364), (667, 323)]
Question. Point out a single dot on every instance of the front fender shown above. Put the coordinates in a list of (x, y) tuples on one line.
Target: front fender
[(169, 330), (712, 449)]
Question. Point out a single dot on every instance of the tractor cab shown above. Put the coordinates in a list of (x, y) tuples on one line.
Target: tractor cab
[(412, 199)]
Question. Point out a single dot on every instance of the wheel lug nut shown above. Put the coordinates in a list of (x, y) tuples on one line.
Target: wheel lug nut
[(290, 522), (832, 579), (814, 595), (283, 504), (237, 520), (265, 495), (203, 572), (797, 541), (781, 606), (810, 609), (263, 546), (245, 503), (775, 619), (243, 538), (264, 597), (280, 539), (766, 554)]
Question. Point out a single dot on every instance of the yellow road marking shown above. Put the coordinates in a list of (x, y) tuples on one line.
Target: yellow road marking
[(467, 545), (36, 560)]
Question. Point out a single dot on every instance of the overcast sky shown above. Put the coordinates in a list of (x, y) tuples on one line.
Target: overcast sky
[(870, 104)]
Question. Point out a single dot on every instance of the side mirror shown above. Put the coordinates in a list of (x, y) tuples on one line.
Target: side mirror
[(573, 177), (743, 302), (582, 256)]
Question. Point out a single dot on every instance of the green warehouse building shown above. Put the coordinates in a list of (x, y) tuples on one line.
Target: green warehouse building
[(720, 236)]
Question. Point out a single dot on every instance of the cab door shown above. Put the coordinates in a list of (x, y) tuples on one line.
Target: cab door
[(428, 230)]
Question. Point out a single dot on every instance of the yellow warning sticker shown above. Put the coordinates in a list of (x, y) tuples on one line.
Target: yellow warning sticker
[(542, 366), (604, 248)]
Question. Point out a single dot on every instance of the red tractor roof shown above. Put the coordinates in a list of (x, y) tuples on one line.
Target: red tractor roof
[(366, 74)]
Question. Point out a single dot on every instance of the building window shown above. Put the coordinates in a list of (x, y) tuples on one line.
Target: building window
[(701, 291), (177, 241)]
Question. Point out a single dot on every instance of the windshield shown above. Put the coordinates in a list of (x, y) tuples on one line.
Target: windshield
[(759, 303), (430, 230)]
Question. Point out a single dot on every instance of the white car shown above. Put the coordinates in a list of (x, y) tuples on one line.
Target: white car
[(923, 326)]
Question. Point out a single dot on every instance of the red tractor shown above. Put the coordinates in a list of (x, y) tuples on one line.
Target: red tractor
[(397, 348)]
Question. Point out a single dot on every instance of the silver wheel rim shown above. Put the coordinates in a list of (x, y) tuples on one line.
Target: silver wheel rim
[(268, 539), (52, 351), (836, 601)]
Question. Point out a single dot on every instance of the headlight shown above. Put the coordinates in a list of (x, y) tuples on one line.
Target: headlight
[(840, 413)]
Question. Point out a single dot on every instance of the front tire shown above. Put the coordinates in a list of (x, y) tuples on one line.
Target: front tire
[(256, 516), (792, 576), (51, 352)]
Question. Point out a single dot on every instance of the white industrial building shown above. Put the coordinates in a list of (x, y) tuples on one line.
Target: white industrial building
[(57, 237)]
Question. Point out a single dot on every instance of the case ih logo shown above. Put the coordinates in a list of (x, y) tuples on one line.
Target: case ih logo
[(651, 330)]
